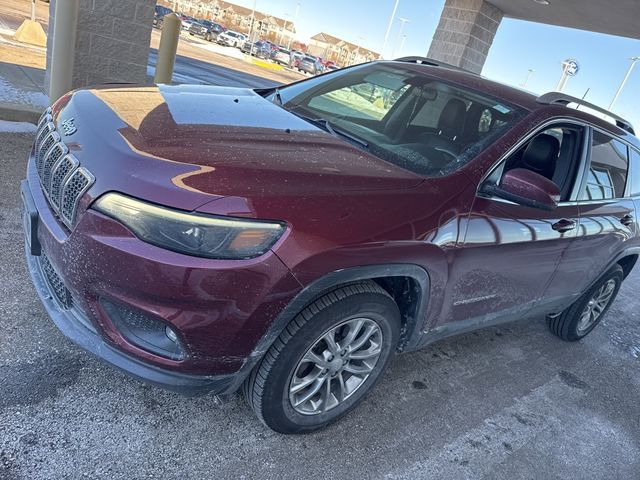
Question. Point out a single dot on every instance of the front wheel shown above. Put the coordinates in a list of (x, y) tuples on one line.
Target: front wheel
[(326, 360), (583, 316)]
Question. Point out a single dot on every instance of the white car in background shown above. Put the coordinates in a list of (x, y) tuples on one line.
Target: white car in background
[(231, 38)]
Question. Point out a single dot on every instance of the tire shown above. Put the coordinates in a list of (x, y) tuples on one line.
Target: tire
[(358, 307), (569, 326)]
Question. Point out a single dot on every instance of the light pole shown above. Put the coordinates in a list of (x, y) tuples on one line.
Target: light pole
[(404, 39), (284, 29), (526, 80), (355, 59), (295, 19), (386, 35), (402, 21), (569, 69), (624, 80), (253, 17)]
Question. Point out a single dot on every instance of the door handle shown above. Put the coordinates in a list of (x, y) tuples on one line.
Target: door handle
[(564, 225), (627, 220)]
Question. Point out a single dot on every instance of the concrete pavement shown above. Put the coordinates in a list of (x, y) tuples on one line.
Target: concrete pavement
[(503, 403)]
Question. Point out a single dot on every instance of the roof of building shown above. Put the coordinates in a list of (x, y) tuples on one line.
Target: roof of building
[(338, 42)]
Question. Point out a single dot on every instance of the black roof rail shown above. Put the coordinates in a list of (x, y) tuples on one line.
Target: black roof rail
[(558, 98), (428, 61)]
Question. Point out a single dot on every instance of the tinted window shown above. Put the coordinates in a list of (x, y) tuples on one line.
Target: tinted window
[(635, 172), (607, 174)]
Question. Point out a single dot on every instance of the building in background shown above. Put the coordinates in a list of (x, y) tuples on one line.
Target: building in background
[(340, 51), (236, 17)]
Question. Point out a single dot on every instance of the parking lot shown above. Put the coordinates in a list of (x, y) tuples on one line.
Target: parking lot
[(508, 402)]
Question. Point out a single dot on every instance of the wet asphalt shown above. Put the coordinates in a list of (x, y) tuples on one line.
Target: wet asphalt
[(502, 403)]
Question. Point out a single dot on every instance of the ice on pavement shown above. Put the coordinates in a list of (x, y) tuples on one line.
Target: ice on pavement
[(9, 94), (16, 127)]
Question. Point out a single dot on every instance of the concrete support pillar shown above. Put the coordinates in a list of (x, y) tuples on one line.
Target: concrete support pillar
[(112, 41), (465, 33)]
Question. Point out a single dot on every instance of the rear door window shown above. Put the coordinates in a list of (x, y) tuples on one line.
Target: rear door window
[(607, 175)]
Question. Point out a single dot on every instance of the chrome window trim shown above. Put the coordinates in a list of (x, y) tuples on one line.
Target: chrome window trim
[(627, 193), (585, 160), (632, 170), (532, 133)]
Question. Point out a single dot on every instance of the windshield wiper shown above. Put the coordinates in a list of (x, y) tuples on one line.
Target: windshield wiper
[(276, 95), (336, 132), (328, 127)]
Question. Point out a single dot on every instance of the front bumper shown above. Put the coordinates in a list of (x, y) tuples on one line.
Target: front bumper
[(74, 324), (219, 309)]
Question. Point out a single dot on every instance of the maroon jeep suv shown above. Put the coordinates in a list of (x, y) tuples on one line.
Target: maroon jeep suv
[(288, 241)]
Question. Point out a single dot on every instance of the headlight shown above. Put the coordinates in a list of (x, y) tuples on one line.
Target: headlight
[(191, 233)]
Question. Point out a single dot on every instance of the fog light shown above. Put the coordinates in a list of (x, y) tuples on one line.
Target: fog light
[(171, 335), (144, 330)]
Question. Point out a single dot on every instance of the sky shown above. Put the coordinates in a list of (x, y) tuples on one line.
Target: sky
[(517, 47)]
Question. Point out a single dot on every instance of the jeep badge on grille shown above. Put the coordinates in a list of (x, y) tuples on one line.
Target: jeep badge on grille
[(68, 127)]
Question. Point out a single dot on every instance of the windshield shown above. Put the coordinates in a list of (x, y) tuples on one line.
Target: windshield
[(403, 116)]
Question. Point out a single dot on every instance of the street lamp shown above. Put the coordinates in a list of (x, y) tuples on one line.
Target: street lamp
[(355, 59), (404, 39), (386, 35), (526, 80), (624, 80), (403, 21), (295, 19), (253, 17)]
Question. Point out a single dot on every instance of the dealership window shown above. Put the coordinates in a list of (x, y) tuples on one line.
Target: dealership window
[(607, 174)]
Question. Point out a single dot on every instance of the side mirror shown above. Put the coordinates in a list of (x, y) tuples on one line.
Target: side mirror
[(527, 188)]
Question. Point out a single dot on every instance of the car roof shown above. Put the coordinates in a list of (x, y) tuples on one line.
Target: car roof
[(515, 96)]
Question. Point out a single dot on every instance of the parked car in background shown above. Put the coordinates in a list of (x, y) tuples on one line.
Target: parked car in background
[(158, 15), (187, 21), (259, 49), (289, 241), (230, 38), (206, 29), (282, 56), (310, 64)]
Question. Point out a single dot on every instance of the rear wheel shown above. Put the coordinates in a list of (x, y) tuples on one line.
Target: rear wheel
[(326, 360), (583, 316)]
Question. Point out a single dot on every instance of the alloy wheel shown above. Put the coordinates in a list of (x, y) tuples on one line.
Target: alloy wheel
[(338, 363), (594, 308)]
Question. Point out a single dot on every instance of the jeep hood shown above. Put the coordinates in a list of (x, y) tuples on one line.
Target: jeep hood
[(186, 146)]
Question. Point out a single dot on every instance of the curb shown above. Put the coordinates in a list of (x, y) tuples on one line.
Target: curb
[(270, 66), (20, 114)]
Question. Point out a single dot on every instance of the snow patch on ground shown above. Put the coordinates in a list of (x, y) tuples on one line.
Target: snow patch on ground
[(9, 94), (16, 127)]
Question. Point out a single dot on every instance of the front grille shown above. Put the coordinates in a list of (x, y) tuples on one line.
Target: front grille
[(55, 283), (62, 178)]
